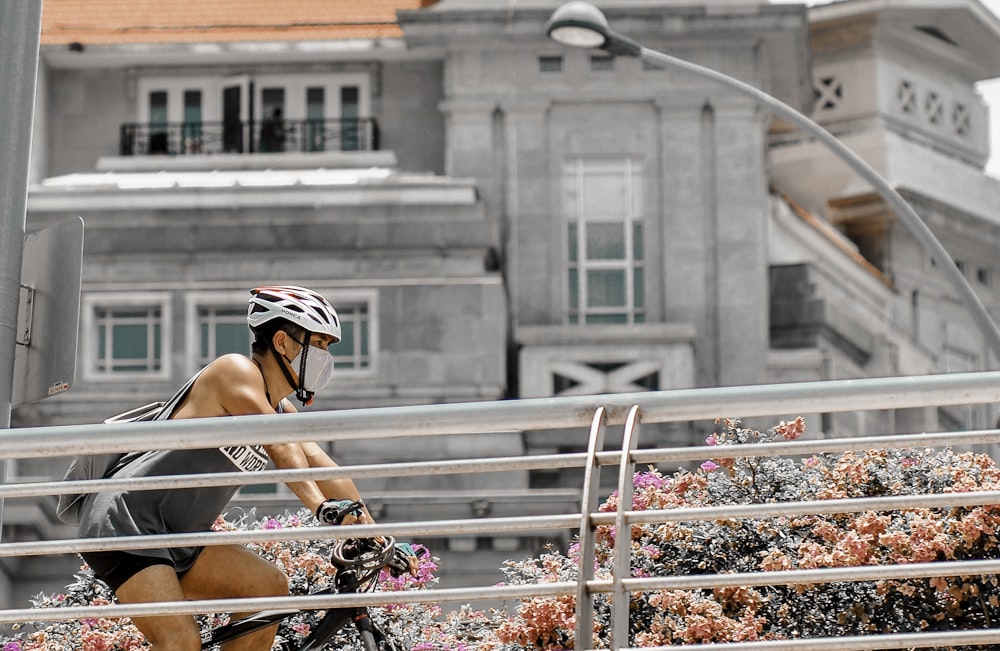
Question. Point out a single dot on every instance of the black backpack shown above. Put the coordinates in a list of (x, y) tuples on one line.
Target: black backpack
[(98, 466)]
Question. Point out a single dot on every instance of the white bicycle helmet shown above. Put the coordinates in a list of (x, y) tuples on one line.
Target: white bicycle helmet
[(298, 305)]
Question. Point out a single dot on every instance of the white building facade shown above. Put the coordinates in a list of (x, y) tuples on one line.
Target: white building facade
[(496, 217)]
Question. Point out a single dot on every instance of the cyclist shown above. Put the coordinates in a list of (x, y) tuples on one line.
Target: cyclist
[(292, 329)]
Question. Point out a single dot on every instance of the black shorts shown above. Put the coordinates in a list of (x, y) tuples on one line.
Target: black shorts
[(117, 567)]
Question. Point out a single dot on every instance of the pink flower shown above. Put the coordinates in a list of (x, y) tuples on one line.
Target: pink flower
[(709, 466)]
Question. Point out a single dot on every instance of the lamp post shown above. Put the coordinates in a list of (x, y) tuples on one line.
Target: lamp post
[(582, 25)]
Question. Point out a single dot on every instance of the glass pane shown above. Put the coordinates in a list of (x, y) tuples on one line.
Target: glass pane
[(272, 128), (364, 326), (157, 352), (574, 289), (606, 288), (550, 64), (572, 235), (315, 114), (192, 106), (158, 111), (638, 247), (639, 287), (272, 99), (231, 338), (349, 102), (605, 241), (315, 101), (129, 342), (602, 63), (344, 351), (192, 121), (604, 191), (607, 318), (102, 350), (350, 137), (205, 352)]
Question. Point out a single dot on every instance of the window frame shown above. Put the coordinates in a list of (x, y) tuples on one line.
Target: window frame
[(573, 170), (370, 299), (233, 299), (91, 302), (295, 87), (238, 299)]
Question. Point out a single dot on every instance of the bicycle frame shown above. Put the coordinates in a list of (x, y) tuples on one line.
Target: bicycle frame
[(346, 580), (334, 620)]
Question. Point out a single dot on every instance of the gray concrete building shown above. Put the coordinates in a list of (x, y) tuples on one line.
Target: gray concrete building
[(496, 217)]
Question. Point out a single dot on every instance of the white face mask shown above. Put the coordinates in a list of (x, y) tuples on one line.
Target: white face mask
[(319, 368)]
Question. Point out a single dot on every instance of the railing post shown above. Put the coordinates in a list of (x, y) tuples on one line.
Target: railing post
[(584, 636), (620, 597)]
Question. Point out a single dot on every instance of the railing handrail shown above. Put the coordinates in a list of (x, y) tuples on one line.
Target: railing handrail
[(507, 416), (597, 412), (191, 137)]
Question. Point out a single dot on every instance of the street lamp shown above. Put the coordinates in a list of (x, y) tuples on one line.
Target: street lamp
[(581, 24)]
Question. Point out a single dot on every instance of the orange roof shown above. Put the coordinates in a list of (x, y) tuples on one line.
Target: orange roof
[(94, 22)]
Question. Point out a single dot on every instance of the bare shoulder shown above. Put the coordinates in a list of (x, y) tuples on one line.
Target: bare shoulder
[(229, 386), (233, 367)]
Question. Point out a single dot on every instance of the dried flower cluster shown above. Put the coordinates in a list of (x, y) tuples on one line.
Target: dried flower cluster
[(661, 617)]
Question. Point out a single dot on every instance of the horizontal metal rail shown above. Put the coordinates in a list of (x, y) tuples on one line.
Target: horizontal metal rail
[(508, 524), (507, 416), (441, 595), (499, 464), (857, 642)]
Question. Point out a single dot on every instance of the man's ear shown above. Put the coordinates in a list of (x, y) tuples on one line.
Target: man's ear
[(280, 340)]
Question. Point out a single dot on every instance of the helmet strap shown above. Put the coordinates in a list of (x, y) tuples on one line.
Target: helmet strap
[(305, 397)]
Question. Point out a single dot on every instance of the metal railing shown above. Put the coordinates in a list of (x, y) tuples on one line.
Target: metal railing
[(594, 412), (255, 136)]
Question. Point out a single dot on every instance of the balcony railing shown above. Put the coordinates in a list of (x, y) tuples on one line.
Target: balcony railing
[(191, 138)]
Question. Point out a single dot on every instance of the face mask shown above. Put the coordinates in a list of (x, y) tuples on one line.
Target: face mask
[(319, 368)]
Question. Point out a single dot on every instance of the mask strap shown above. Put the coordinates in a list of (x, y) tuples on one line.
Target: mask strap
[(305, 397)]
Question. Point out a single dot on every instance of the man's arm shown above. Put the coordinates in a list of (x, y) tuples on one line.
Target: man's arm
[(333, 489)]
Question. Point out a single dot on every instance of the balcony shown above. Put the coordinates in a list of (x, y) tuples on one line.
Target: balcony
[(231, 137)]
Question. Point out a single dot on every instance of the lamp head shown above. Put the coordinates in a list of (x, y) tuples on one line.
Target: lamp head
[(578, 24), (581, 24)]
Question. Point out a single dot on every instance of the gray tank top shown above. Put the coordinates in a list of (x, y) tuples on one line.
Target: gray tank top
[(183, 510)]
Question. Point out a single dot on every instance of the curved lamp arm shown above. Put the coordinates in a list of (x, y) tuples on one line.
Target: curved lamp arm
[(580, 24)]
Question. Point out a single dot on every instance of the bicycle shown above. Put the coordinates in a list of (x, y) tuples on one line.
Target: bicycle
[(358, 562)]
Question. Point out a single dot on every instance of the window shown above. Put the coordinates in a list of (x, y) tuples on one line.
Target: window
[(191, 130), (213, 114), (158, 122), (221, 330), (602, 63), (315, 118), (350, 139), (217, 326), (354, 349), (272, 126), (602, 202), (126, 336), (550, 64)]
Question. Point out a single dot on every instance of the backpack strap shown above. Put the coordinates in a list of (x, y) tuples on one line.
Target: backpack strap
[(167, 410)]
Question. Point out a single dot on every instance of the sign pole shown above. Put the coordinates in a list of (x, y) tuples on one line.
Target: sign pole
[(20, 31)]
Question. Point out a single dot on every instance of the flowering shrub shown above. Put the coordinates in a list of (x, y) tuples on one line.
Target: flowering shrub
[(660, 618), (671, 617)]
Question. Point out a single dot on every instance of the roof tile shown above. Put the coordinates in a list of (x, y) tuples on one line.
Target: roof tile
[(94, 22)]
